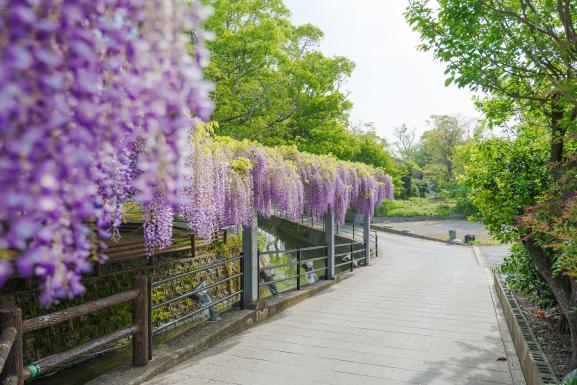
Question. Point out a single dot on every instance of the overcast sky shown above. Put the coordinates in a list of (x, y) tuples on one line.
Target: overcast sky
[(392, 83)]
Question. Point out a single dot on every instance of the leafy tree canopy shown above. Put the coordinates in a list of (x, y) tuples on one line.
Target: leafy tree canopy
[(272, 83)]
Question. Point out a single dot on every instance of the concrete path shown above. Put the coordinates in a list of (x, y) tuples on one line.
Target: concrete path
[(421, 314), (440, 228)]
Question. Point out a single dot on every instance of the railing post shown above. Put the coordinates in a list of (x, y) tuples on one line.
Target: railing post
[(330, 240), (352, 258), (149, 318), (241, 282), (225, 235), (250, 263), (192, 245), (298, 268), (353, 230), (367, 238), (12, 317), (376, 244), (140, 352)]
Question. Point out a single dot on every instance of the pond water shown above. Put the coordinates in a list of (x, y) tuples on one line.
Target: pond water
[(274, 254)]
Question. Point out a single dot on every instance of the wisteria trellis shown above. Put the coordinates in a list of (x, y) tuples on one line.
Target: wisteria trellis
[(98, 100), (229, 181)]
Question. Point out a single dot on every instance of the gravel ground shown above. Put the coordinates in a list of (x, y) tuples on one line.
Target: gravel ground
[(546, 329)]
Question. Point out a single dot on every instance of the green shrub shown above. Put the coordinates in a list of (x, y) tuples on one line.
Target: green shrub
[(571, 378), (522, 277), (417, 207), (232, 247)]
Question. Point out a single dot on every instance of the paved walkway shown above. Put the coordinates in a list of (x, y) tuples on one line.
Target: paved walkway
[(421, 314), (440, 228)]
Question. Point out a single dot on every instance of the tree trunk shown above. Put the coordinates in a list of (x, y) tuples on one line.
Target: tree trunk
[(572, 321), (557, 140), (563, 326), (563, 289)]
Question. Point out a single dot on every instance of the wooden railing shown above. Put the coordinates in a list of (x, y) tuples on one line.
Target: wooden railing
[(127, 250), (11, 361), (12, 327)]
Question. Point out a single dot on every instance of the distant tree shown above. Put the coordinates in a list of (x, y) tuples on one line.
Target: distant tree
[(404, 144), (272, 83), (435, 151), (369, 148)]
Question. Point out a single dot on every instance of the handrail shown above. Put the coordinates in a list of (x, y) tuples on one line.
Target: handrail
[(57, 317), (195, 291), (195, 271), (193, 313), (56, 360), (349, 244), (287, 251)]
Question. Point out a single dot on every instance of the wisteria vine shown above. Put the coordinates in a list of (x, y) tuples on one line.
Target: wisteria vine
[(100, 102), (95, 99)]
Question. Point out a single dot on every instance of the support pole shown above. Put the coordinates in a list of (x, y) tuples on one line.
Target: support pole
[(250, 263), (12, 317), (330, 240), (140, 350), (367, 238), (298, 274)]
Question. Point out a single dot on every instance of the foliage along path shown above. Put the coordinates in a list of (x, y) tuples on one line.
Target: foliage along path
[(421, 314)]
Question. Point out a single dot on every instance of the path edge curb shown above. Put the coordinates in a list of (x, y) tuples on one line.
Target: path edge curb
[(385, 229), (534, 362), (194, 341)]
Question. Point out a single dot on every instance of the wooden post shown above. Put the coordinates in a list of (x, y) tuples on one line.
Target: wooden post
[(97, 265), (7, 301), (140, 351), (192, 245), (225, 235), (12, 317)]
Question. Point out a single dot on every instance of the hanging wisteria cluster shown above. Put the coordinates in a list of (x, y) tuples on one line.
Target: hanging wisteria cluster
[(95, 96), (229, 182), (100, 102), (333, 185)]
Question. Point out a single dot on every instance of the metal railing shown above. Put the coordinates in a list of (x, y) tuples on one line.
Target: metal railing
[(350, 253), (198, 290), (355, 230), (298, 263)]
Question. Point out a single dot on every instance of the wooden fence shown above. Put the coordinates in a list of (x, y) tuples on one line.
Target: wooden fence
[(12, 327)]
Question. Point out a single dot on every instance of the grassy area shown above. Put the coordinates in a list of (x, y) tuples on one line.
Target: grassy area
[(417, 207)]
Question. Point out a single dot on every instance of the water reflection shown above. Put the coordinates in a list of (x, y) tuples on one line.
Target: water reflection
[(275, 255)]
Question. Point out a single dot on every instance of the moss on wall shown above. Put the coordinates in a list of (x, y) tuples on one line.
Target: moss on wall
[(66, 335)]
